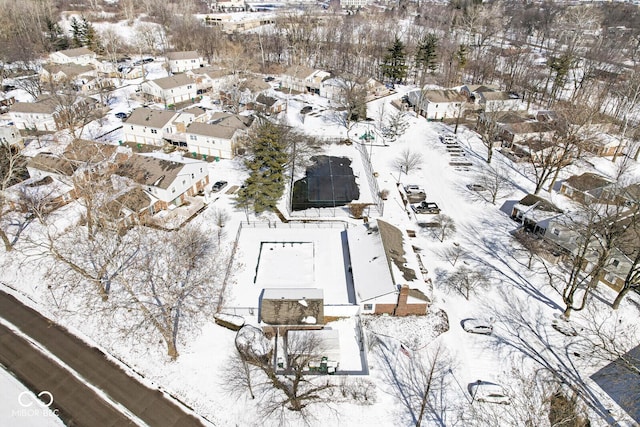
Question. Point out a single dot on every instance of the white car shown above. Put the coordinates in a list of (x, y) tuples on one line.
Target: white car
[(477, 326), (414, 190), (485, 391)]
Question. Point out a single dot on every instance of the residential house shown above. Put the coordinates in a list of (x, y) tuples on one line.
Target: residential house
[(133, 206), (6, 102), (170, 90), (51, 180), (490, 99), (74, 74), (218, 138), (386, 272), (354, 4), (303, 79), (179, 62), (10, 135), (268, 105), (603, 145), (535, 213), (149, 126), (170, 180), (514, 133), (437, 104), (38, 116), (587, 188), (80, 56), (209, 78)]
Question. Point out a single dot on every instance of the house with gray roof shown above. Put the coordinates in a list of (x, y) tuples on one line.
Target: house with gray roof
[(149, 126), (80, 56), (587, 187), (170, 90), (179, 62), (169, 179), (218, 138), (37, 115), (437, 104)]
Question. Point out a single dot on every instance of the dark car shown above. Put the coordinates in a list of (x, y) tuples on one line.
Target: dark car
[(426, 208), (121, 115), (269, 79), (219, 185), (306, 109)]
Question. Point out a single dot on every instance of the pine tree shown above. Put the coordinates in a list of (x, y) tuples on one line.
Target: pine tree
[(77, 37), (426, 53), (266, 164), (394, 65), (90, 37)]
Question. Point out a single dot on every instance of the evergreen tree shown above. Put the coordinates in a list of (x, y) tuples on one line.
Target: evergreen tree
[(268, 156), (90, 37), (77, 36), (426, 53), (394, 65), (56, 39)]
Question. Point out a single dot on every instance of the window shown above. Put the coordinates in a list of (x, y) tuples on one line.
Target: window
[(368, 307), (189, 86), (193, 137), (568, 191), (192, 176), (556, 232), (173, 190), (154, 130), (615, 262), (609, 277)]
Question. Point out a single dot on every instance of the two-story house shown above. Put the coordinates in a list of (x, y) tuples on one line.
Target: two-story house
[(149, 126), (437, 104), (168, 179), (219, 138), (80, 56), (37, 116), (170, 90), (587, 188), (304, 79), (179, 62)]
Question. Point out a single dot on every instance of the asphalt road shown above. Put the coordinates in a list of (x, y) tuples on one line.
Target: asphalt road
[(77, 403)]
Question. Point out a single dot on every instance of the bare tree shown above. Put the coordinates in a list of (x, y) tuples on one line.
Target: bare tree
[(12, 170), (489, 129), (495, 182), (467, 281), (292, 388), (407, 161), (444, 228), (166, 298)]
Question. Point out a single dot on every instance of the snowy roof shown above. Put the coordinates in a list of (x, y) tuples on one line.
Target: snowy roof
[(149, 117), (370, 268), (176, 56), (69, 70), (444, 95), (42, 106), (292, 293), (173, 81), (329, 341), (215, 130), (74, 53), (151, 170), (587, 181)]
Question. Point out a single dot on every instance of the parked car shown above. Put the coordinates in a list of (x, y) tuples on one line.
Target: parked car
[(426, 208), (413, 189), (121, 115), (484, 391), (477, 326), (476, 187), (219, 185), (306, 109), (449, 138)]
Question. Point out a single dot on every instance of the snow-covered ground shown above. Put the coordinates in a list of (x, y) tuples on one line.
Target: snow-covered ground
[(19, 407), (520, 301)]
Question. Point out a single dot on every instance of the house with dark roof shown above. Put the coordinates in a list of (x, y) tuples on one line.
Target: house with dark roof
[(209, 78), (587, 187), (170, 90), (179, 62), (168, 179), (219, 137), (71, 73)]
